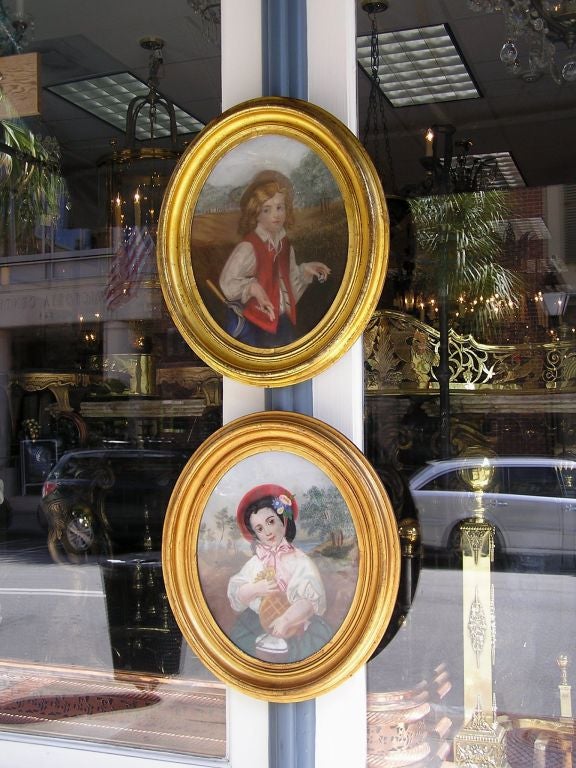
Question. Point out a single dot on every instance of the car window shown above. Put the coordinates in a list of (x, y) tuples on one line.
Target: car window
[(146, 472), (568, 476), (138, 471), (448, 481), (73, 468), (534, 481), (455, 481)]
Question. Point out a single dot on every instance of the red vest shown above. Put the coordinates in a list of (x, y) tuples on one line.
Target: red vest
[(269, 270)]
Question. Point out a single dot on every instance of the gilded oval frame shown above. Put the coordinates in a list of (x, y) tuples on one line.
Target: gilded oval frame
[(257, 440), (362, 252)]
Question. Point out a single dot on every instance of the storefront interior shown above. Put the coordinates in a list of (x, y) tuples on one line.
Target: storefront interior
[(468, 361)]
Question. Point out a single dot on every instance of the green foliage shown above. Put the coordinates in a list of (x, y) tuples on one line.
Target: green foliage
[(30, 180), (323, 511), (224, 521), (313, 181), (460, 244), (313, 184)]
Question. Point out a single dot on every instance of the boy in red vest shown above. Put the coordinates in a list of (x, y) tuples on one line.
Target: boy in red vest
[(261, 280)]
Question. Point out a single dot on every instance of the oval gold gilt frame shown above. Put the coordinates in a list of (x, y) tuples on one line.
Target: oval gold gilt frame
[(281, 556), (270, 300)]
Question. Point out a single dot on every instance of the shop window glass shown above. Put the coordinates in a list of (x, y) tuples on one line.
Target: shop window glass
[(468, 670), (90, 648), (101, 405)]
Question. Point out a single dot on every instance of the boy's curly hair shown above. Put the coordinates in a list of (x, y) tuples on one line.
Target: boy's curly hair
[(263, 186)]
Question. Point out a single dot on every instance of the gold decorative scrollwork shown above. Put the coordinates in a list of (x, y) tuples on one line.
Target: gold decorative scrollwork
[(401, 353), (477, 539), (58, 383), (477, 626), (480, 744)]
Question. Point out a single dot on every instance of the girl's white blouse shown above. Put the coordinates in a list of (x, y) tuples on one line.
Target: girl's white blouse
[(294, 569)]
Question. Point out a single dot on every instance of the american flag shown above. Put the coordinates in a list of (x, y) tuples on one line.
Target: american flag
[(127, 267)]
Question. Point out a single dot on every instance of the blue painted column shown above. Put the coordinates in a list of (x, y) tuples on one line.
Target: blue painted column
[(292, 727), (285, 73), (285, 69)]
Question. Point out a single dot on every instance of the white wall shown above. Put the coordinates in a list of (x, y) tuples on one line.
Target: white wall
[(338, 391)]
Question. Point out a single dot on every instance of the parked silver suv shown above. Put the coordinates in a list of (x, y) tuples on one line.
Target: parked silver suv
[(531, 502)]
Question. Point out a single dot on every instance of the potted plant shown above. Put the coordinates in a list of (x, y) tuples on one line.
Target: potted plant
[(460, 244), (31, 185)]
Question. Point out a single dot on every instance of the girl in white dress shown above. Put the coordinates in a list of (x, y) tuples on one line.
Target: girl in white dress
[(278, 593)]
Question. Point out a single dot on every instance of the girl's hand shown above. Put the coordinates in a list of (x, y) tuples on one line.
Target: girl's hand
[(317, 269), (260, 588), (257, 292), (281, 626), (293, 618), (266, 587)]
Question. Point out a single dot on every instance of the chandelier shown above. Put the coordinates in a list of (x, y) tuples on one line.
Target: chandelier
[(375, 123), (136, 176), (451, 168), (533, 29), (208, 12)]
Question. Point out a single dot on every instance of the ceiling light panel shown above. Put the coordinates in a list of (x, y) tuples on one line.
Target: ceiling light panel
[(508, 172), (419, 66), (108, 98)]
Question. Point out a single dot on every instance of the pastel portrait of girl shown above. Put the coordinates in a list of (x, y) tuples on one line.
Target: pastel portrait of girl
[(278, 593), (279, 571)]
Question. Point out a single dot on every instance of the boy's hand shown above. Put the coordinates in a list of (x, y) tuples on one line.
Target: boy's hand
[(317, 269), (264, 303)]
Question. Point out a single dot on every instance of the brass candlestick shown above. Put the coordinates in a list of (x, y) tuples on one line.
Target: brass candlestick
[(481, 740), (565, 689)]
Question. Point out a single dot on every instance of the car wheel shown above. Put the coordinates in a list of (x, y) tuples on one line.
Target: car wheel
[(453, 549), (80, 538), (79, 534)]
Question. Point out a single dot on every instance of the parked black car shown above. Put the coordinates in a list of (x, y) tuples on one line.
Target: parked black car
[(108, 502)]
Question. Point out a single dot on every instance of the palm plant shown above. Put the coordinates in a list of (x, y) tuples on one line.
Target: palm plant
[(458, 236), (31, 184), (461, 244)]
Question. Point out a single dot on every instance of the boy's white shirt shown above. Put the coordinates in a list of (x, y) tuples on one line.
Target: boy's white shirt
[(239, 271)]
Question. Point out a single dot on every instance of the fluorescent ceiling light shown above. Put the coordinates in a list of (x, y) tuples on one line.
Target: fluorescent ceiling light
[(108, 98), (418, 66), (508, 172)]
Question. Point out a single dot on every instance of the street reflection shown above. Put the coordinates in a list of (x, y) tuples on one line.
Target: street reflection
[(71, 668)]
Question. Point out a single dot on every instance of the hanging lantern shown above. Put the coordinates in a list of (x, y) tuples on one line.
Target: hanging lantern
[(137, 174)]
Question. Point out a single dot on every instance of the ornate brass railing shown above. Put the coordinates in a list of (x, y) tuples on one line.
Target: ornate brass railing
[(401, 354)]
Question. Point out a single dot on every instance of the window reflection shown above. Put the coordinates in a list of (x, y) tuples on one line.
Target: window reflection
[(101, 408), (480, 663)]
